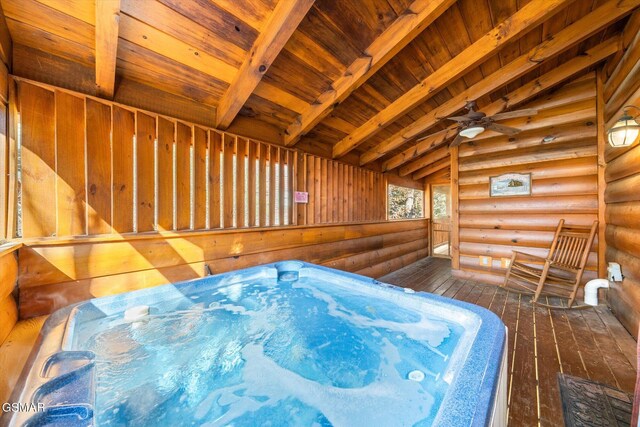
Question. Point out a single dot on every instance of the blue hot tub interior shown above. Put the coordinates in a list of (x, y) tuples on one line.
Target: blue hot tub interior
[(285, 344)]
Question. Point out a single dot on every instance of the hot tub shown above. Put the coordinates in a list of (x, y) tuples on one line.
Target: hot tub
[(281, 344)]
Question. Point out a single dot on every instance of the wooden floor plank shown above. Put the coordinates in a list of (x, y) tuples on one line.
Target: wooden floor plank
[(618, 364), (548, 367), (588, 343)]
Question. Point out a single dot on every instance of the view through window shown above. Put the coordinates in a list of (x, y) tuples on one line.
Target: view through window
[(405, 202)]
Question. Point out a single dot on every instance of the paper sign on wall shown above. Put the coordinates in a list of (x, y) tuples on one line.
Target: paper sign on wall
[(301, 197)]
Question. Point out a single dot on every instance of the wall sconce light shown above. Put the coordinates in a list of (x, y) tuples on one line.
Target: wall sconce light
[(625, 131)]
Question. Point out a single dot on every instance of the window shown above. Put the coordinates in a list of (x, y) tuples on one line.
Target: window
[(405, 202)]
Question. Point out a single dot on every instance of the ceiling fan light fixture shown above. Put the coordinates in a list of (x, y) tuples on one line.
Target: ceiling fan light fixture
[(471, 132)]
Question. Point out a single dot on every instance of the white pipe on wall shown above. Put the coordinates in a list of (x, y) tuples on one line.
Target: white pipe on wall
[(591, 290)]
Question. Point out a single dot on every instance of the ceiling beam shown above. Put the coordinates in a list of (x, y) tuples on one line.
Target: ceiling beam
[(432, 168), (629, 34), (284, 20), (523, 93), (569, 36), (529, 16), (418, 16), (107, 27), (426, 160)]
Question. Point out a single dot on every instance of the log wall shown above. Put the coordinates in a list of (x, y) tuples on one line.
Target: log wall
[(563, 170), (8, 307), (57, 273), (621, 86)]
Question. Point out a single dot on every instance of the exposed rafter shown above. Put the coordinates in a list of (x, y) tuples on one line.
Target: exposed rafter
[(525, 19), (524, 93), (570, 36), (107, 27), (426, 160), (624, 82), (283, 21), (432, 168), (418, 16)]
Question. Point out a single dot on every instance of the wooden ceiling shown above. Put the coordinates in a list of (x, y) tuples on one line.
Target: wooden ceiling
[(359, 79)]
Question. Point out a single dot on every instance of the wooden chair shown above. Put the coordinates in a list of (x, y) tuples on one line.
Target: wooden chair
[(560, 273)]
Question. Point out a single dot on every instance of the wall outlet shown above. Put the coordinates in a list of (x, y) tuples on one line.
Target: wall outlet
[(505, 262), (485, 261), (614, 273)]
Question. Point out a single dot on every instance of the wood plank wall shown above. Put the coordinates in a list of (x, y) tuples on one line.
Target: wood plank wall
[(564, 181), (621, 86), (8, 306), (6, 145), (93, 167), (115, 199), (55, 274)]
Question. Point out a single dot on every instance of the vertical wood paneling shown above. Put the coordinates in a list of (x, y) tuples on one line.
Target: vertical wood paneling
[(262, 193), (301, 185), (341, 193), (252, 173), (145, 170), (166, 135), (123, 133), (215, 171), (324, 191), (350, 201), (291, 170), (357, 184), (335, 193), (12, 159), (70, 152), (227, 186), (200, 147), (4, 171), (183, 176), (241, 155), (99, 167), (311, 188), (282, 160), (273, 200), (317, 184), (37, 112)]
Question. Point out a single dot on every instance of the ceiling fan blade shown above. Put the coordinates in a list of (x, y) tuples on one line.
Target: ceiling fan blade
[(502, 129), (515, 114), (456, 141), (459, 118)]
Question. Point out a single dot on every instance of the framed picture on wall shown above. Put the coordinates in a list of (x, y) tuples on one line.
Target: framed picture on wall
[(510, 184)]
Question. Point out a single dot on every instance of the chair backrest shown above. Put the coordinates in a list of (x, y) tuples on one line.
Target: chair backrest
[(572, 244)]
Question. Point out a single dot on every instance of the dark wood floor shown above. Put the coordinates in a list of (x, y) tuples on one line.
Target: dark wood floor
[(588, 343)]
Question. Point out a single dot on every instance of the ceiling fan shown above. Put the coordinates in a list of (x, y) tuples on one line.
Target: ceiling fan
[(475, 122)]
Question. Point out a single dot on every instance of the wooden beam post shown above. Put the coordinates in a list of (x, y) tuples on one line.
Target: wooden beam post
[(602, 183), (283, 21), (455, 212), (523, 93), (107, 24), (418, 16), (529, 16)]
